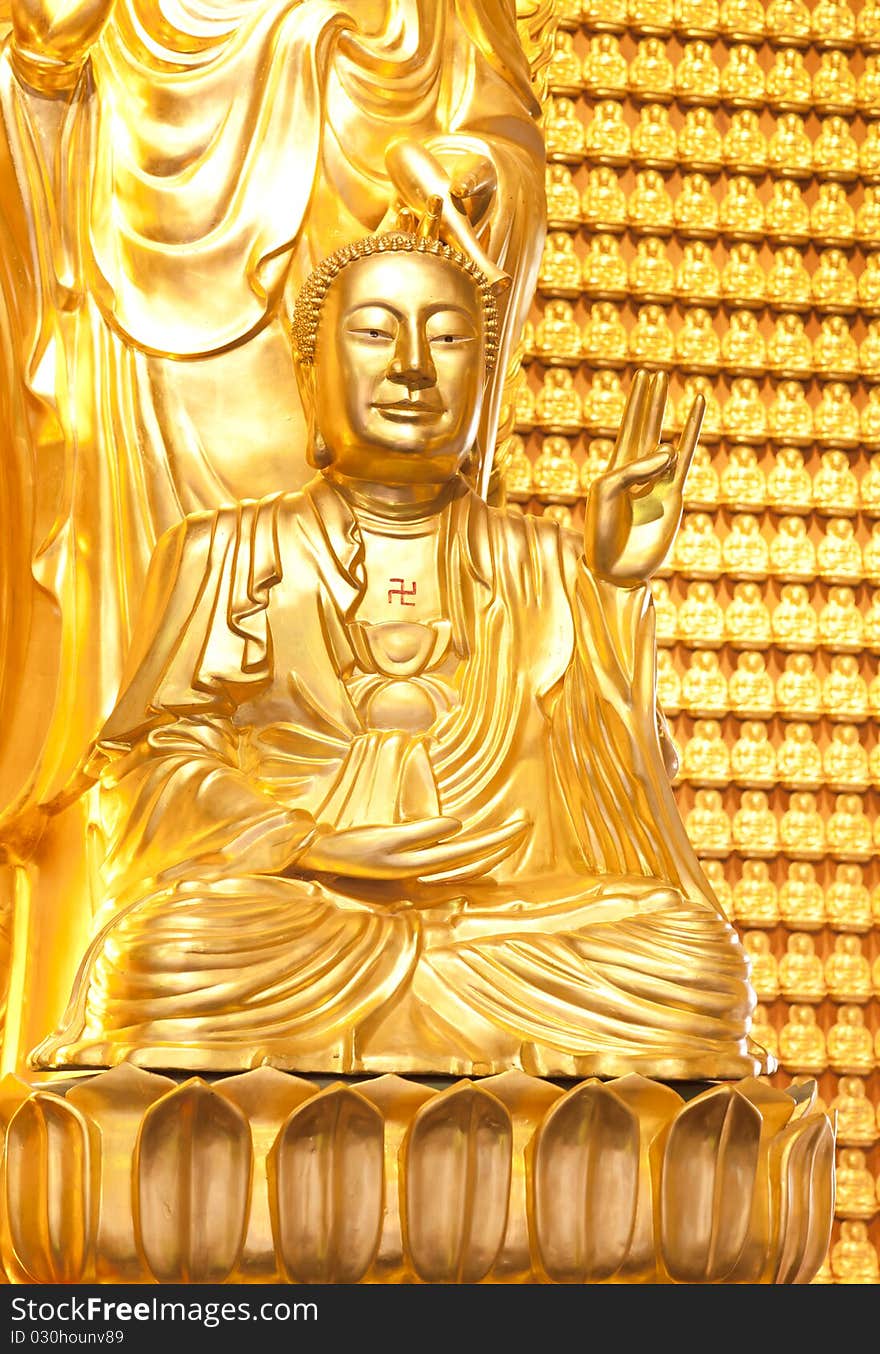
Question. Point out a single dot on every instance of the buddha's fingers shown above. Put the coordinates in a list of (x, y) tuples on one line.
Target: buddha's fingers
[(627, 445), (652, 428), (474, 852), (641, 474), (687, 443)]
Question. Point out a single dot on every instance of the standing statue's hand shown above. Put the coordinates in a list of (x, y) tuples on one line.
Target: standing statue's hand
[(634, 508), (430, 850)]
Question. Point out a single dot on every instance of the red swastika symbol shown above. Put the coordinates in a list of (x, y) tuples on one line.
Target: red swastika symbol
[(402, 592)]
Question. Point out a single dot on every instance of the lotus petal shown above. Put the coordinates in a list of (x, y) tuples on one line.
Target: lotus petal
[(49, 1189), (804, 1168)]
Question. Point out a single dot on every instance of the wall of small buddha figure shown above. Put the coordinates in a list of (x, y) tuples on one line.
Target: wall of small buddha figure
[(714, 210)]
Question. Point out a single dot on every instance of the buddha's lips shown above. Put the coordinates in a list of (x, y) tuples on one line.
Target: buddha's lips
[(403, 410)]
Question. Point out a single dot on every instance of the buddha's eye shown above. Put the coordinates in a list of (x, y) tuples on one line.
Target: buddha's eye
[(373, 335)]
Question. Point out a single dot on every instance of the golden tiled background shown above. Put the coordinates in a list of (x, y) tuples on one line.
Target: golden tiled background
[(714, 188)]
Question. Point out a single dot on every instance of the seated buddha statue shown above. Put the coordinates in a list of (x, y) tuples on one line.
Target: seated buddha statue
[(745, 151), (755, 830), (841, 627), (558, 405), (871, 555), (708, 824), (560, 271), (743, 281), (556, 475), (563, 131), (742, 80), (835, 487), (743, 348), (789, 86), (524, 408), (836, 153), (697, 78), (868, 25), (607, 134), (788, 21), (844, 690), (798, 759), (747, 623), (603, 272), (833, 23), (798, 689), (848, 829), (651, 341), (700, 144), (868, 85), (653, 138), (869, 153), (668, 683), (518, 471), (649, 207), (790, 418), (833, 283), (745, 417), (596, 461), (801, 900), (563, 198), (696, 208), (742, 211), (700, 617), (802, 828), (697, 18), (604, 338), (603, 201), (558, 335), (869, 420), (605, 71), (801, 977), (789, 483), (834, 84), (764, 974), (742, 20), (790, 150), (795, 623), (744, 551), (847, 900), (792, 553), (697, 552), (665, 612), (706, 760), (651, 16), (839, 555), (787, 215), (750, 687), (789, 350), (564, 75), (755, 901), (603, 14), (697, 279), (704, 686), (360, 820), (869, 351), (752, 758), (651, 271), (651, 73), (856, 1122), (848, 971), (869, 285), (856, 1195), (871, 624), (703, 488), (697, 345), (702, 387), (835, 351), (802, 1043), (868, 218), (789, 285), (604, 402), (853, 1256), (850, 1046), (832, 218)]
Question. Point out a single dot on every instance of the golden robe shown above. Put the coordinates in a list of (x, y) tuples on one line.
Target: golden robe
[(595, 947)]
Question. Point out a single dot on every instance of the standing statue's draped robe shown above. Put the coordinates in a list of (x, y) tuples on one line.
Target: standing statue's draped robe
[(595, 947)]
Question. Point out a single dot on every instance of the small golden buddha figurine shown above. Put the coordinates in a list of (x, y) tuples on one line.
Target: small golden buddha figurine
[(668, 683), (801, 901), (802, 828), (869, 153), (604, 402), (753, 759), (604, 339), (651, 341), (764, 1032), (751, 686), (564, 74), (871, 624), (700, 144), (848, 830), (558, 405), (853, 1257), (848, 971), (700, 617), (835, 487), (560, 272), (789, 86), (845, 760), (742, 20), (790, 352), (789, 285), (868, 218), (524, 408), (871, 555), (602, 15), (704, 686), (518, 471), (798, 689), (742, 212), (605, 68), (787, 215), (697, 78), (703, 488), (856, 1122), (790, 150), (742, 80), (653, 139), (697, 18), (665, 613), (603, 202), (747, 620), (792, 553), (558, 335), (700, 386), (651, 16), (697, 345), (651, 73), (743, 280), (788, 21), (834, 84), (844, 690), (832, 218), (833, 24), (697, 550), (556, 475), (563, 131), (798, 759), (834, 284), (745, 552), (651, 271), (596, 461), (570, 12), (868, 25), (743, 348), (745, 414), (801, 976), (869, 284), (695, 208), (869, 421), (755, 901), (839, 555), (754, 825), (706, 760), (708, 825), (850, 1046), (715, 873), (835, 351), (835, 151), (650, 206), (790, 418), (697, 279), (856, 1195), (528, 342), (868, 86), (869, 351), (802, 1042), (603, 272), (745, 149), (764, 975), (789, 483), (563, 198), (840, 622)]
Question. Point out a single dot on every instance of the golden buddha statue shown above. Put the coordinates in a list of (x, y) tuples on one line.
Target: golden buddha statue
[(798, 689), (856, 1122), (789, 86), (708, 825), (802, 827), (605, 69), (742, 212), (789, 483), (700, 144), (752, 759), (868, 86), (649, 206), (706, 760), (742, 347), (695, 208), (715, 873), (869, 351), (835, 351), (745, 151), (518, 471), (834, 84), (697, 280), (743, 280), (651, 73), (742, 80), (848, 971), (556, 475), (869, 284), (871, 624), (697, 18), (751, 686), (744, 551), (871, 555), (790, 418), (839, 556), (558, 335), (834, 284), (832, 218), (868, 25), (651, 271), (597, 460), (703, 488), (764, 969), (848, 829), (844, 690), (563, 198), (560, 272), (651, 16), (802, 1042), (853, 1257), (697, 345), (528, 343), (801, 901), (563, 131), (697, 78), (668, 683), (564, 75), (835, 487), (704, 686), (856, 1195), (665, 612), (745, 414), (603, 272), (651, 341), (755, 901), (747, 622), (697, 550), (653, 138), (869, 420), (798, 759), (788, 284), (790, 150), (792, 553), (787, 215), (868, 218), (524, 408), (836, 152), (833, 23), (764, 1031), (607, 134), (700, 617), (603, 202), (801, 976), (604, 339), (788, 22), (742, 20), (850, 1046), (558, 405), (604, 403), (754, 825), (789, 350), (874, 764), (840, 622), (602, 15)]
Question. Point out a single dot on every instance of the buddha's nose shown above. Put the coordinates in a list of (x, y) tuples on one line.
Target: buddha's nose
[(412, 365)]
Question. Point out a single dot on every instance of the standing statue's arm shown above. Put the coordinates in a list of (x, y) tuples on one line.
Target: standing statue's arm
[(52, 39)]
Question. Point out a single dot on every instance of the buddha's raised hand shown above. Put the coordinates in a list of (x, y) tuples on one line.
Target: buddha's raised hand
[(634, 508)]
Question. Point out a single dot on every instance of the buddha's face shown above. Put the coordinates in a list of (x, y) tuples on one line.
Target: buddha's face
[(399, 368)]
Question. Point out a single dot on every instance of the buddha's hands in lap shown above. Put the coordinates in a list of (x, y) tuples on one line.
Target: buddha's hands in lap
[(634, 508), (430, 850)]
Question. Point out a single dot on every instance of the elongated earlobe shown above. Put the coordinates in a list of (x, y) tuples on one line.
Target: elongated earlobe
[(319, 452)]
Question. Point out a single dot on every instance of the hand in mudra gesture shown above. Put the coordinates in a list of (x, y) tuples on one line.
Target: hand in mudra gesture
[(634, 508)]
